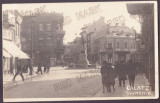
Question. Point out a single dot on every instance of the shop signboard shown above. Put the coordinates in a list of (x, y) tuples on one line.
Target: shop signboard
[(7, 34)]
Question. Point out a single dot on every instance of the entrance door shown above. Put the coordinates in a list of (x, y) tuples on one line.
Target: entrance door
[(110, 58), (121, 57)]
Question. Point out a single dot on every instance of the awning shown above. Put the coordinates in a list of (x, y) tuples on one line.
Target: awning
[(5, 54), (12, 49)]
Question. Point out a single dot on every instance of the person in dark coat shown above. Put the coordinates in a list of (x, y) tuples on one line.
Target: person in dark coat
[(45, 68), (121, 69), (104, 75), (39, 69), (31, 70), (48, 68), (111, 76), (19, 71), (131, 72)]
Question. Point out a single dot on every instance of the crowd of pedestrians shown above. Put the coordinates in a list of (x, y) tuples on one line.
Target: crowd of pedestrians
[(22, 68), (123, 71)]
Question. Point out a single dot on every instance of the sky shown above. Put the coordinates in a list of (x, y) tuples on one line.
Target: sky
[(108, 10)]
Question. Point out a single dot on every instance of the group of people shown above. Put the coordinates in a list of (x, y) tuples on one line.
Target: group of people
[(46, 69), (21, 68), (121, 70)]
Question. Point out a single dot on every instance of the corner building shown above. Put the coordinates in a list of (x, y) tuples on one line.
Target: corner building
[(42, 38)]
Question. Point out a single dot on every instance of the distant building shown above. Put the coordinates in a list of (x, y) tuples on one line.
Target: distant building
[(42, 38), (109, 43), (73, 50), (119, 48)]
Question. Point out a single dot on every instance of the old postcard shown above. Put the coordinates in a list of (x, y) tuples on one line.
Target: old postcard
[(80, 51)]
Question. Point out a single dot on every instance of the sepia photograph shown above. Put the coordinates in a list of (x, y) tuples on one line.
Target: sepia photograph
[(80, 51)]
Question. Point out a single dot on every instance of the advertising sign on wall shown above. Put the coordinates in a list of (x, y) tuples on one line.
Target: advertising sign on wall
[(7, 34)]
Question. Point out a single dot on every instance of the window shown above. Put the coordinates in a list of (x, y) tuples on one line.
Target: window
[(110, 45), (117, 44), (133, 45), (48, 27), (40, 27), (40, 38), (122, 32), (49, 43), (125, 44)]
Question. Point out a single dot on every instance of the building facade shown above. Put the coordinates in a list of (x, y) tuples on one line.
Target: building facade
[(11, 28), (145, 11), (109, 43), (73, 50), (42, 38)]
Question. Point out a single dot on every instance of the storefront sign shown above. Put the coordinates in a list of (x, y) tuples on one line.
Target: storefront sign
[(7, 34)]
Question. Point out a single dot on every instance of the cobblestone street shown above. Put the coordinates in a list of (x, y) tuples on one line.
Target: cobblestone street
[(82, 83)]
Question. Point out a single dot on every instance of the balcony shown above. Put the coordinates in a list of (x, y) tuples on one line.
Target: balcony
[(109, 49), (61, 32)]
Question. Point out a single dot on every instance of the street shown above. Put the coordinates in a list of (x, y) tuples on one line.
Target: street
[(63, 82)]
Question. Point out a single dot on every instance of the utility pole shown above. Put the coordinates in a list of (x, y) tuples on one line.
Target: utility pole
[(31, 55)]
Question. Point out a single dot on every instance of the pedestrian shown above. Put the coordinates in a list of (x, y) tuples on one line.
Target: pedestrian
[(19, 71), (39, 69), (45, 67), (97, 65), (131, 72), (121, 70), (105, 76), (31, 70), (111, 76), (48, 68)]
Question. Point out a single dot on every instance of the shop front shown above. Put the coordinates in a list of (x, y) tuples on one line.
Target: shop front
[(11, 55)]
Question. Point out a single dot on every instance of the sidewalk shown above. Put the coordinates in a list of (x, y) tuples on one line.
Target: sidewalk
[(127, 91), (8, 77)]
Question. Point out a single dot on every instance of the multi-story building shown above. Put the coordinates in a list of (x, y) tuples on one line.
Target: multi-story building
[(11, 27), (119, 48), (42, 37), (101, 42), (145, 11), (121, 43), (73, 50), (92, 38)]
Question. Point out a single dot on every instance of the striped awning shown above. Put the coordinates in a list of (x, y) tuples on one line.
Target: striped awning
[(5, 54), (13, 50)]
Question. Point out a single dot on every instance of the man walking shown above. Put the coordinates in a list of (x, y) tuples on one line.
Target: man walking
[(39, 69), (111, 76), (131, 72), (19, 71), (121, 73)]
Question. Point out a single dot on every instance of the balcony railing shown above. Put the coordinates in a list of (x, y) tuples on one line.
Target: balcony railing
[(109, 48)]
